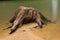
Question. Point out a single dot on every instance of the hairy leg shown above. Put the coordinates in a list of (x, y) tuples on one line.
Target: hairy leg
[(12, 20), (39, 23), (7, 28), (17, 21), (13, 30), (38, 19), (15, 26)]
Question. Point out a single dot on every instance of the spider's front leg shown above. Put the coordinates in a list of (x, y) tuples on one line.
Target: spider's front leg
[(17, 23)]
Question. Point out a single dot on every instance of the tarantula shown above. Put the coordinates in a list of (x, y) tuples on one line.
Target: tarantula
[(25, 15)]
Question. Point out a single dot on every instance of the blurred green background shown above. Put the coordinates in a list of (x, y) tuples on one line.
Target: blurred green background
[(7, 9)]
